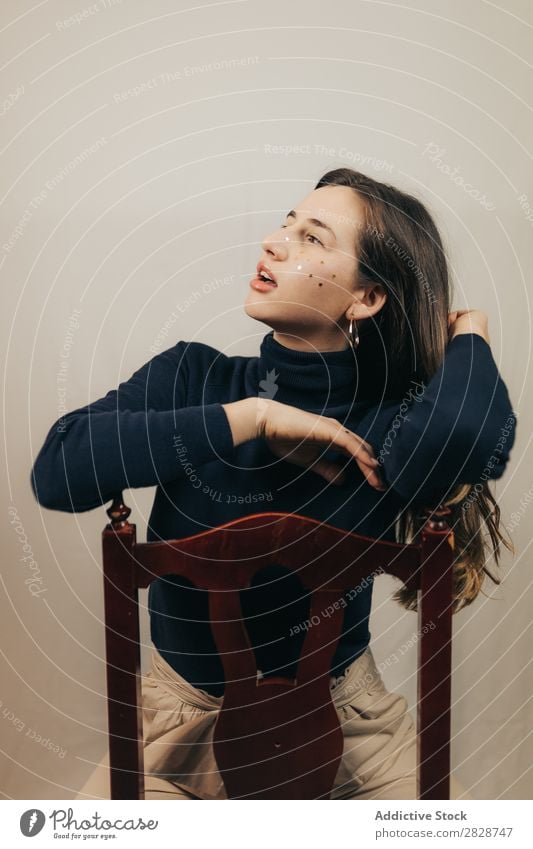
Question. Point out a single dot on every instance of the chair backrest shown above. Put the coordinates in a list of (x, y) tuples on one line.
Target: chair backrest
[(261, 746)]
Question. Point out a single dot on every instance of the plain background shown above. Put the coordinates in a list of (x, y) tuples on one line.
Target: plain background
[(138, 180)]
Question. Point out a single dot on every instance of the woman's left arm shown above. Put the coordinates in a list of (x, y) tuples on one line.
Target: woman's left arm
[(457, 429)]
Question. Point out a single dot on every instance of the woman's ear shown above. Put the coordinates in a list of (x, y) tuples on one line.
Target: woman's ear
[(369, 300), (377, 295)]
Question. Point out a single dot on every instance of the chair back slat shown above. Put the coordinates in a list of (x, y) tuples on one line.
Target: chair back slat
[(321, 554), (276, 737)]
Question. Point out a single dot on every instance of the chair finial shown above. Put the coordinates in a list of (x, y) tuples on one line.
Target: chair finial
[(436, 517), (118, 512)]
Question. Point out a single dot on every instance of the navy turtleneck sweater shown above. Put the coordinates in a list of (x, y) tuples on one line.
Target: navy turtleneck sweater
[(166, 426)]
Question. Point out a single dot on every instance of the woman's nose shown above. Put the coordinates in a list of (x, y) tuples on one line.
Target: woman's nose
[(276, 243)]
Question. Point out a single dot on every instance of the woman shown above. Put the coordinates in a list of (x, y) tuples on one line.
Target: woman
[(368, 401)]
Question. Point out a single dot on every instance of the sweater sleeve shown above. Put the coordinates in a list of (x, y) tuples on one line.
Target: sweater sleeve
[(140, 434), (459, 428)]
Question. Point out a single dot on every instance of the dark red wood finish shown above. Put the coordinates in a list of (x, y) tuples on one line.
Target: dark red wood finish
[(276, 738)]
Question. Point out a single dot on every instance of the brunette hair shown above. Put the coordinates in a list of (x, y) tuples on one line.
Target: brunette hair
[(399, 247)]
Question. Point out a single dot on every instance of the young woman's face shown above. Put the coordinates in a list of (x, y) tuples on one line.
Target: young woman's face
[(314, 267)]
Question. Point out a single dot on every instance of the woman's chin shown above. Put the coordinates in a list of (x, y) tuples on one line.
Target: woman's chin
[(256, 308)]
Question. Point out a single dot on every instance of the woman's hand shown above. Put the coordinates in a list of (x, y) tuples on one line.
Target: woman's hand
[(300, 437), (468, 321)]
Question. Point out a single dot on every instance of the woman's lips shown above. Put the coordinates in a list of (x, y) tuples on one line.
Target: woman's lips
[(262, 285)]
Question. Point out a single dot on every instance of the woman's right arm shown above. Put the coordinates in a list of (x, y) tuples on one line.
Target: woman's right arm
[(141, 434)]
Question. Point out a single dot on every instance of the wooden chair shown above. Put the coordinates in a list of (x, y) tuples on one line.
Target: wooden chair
[(259, 734)]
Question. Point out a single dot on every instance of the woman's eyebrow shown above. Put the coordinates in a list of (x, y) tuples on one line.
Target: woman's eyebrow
[(314, 221)]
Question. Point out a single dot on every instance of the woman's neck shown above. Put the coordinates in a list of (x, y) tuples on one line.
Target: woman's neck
[(323, 343)]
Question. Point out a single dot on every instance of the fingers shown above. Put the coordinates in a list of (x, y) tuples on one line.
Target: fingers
[(299, 447), (373, 479), (333, 474), (363, 453), (356, 447), (336, 475)]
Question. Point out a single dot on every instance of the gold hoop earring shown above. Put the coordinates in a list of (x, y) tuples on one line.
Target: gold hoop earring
[(353, 333)]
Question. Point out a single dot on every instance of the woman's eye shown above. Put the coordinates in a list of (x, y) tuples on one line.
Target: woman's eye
[(310, 235)]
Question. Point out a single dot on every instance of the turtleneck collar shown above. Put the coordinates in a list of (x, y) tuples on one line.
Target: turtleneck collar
[(312, 379), (318, 380)]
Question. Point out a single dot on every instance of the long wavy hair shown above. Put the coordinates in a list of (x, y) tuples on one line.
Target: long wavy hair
[(399, 247)]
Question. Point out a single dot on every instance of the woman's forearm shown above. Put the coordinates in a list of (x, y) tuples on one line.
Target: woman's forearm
[(245, 417)]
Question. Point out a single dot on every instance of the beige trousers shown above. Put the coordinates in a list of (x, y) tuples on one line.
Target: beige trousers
[(379, 756)]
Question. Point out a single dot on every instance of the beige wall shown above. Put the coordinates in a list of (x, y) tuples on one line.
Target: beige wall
[(136, 189)]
